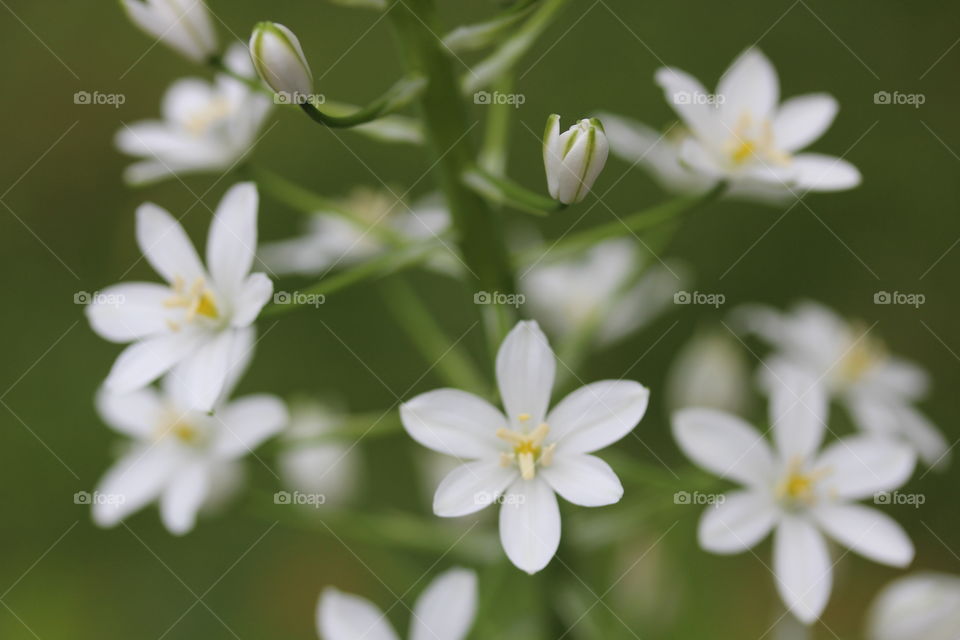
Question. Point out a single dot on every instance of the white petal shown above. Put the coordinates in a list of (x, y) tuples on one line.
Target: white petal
[(203, 374), (924, 606), (552, 155), (446, 608), (597, 415), (143, 362), (867, 531), (342, 616), (724, 444), (247, 422), (860, 466), (135, 414), (802, 566), (900, 377), (471, 487), (166, 246), (453, 422), (254, 294), (798, 410), (135, 480), (129, 311), (681, 91), (525, 371), (892, 417), (530, 524), (816, 172), (232, 241), (803, 119), (183, 498), (750, 86), (739, 522), (583, 479), (924, 437)]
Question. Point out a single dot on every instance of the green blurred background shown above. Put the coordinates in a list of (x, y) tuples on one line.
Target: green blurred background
[(67, 226)]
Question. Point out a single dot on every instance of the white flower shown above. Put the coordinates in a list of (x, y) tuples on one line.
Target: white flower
[(522, 458), (444, 611), (182, 25), (709, 371), (877, 389), (797, 490), (310, 465), (191, 323), (923, 606), (331, 240), (573, 159), (279, 60), (205, 127), (743, 134), (603, 283), (179, 455)]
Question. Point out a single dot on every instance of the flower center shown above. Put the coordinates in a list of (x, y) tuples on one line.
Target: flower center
[(197, 300), (205, 118), (754, 140), (179, 427), (799, 487), (528, 449), (863, 355)]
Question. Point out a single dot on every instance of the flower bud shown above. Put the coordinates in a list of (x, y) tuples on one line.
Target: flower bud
[(279, 60), (182, 25), (573, 159)]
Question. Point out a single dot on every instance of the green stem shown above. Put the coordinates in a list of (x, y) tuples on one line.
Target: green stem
[(493, 152), (505, 191), (396, 97)]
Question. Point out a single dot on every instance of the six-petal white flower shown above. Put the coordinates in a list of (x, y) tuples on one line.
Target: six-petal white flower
[(526, 456), (183, 25), (797, 490), (189, 324), (444, 611), (205, 127)]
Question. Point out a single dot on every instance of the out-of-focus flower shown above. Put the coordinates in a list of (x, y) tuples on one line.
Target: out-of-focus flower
[(444, 611), (797, 490), (182, 25), (604, 282), (710, 371), (205, 127), (573, 159), (312, 466), (331, 240), (523, 458), (923, 606), (178, 455), (191, 323), (877, 388), (742, 134), (279, 60)]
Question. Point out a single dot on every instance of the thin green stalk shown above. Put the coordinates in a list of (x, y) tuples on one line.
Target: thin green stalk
[(496, 134), (396, 97), (504, 191)]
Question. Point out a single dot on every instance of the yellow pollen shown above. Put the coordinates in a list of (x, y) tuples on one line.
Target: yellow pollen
[(528, 449), (862, 356), (196, 300), (746, 145), (185, 432), (202, 119), (800, 486)]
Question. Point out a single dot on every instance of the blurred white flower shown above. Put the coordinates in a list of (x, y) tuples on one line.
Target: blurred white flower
[(182, 25), (311, 466), (189, 324), (205, 127), (444, 611), (878, 389), (709, 371), (742, 134), (923, 606), (279, 60), (573, 159), (182, 457), (331, 240), (797, 490), (604, 282), (523, 458)]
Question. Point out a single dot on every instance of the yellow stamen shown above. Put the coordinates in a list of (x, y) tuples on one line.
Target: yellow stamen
[(527, 448), (799, 486), (197, 300), (201, 120)]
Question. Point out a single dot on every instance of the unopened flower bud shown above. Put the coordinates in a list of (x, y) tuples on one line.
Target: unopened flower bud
[(573, 159), (279, 59), (182, 25)]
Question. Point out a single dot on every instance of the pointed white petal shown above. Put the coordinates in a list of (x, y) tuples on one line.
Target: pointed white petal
[(525, 371), (681, 91), (204, 372), (129, 311), (801, 562), (254, 293), (530, 524), (454, 422), (552, 155), (135, 414), (923, 606), (725, 445), (583, 479), (867, 531), (803, 119), (742, 520), (446, 608), (816, 172), (893, 418), (143, 362), (166, 246), (135, 480), (597, 415), (183, 498), (798, 411), (471, 487), (246, 422), (860, 466), (342, 616), (750, 86), (232, 241)]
